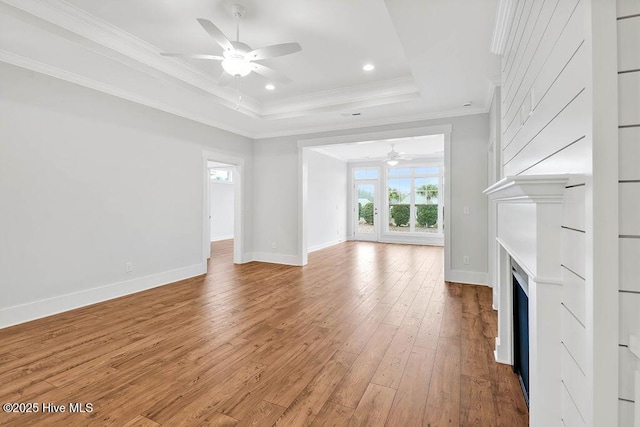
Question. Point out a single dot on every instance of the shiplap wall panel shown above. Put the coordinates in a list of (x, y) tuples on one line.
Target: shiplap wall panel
[(625, 410), (629, 316), (566, 128), (626, 382), (629, 99), (573, 208), (573, 294), (573, 337), (524, 45), (571, 417), (570, 159), (574, 380), (521, 39), (514, 31), (629, 153), (628, 23), (628, 7), (629, 249), (565, 88), (546, 130), (573, 251), (629, 195), (629, 44), (555, 44)]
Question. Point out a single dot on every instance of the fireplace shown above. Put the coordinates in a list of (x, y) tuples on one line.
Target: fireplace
[(521, 328), (526, 212)]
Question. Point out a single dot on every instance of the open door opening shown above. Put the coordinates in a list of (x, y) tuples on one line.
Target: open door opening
[(221, 210), (223, 196)]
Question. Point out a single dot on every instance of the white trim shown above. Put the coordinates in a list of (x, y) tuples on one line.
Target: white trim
[(97, 32), (380, 121), (305, 144), (504, 15), (220, 238), (327, 244), (104, 38), (412, 239), (468, 277), (35, 310), (277, 258), (238, 164), (303, 205), (59, 73), (357, 96), (374, 136)]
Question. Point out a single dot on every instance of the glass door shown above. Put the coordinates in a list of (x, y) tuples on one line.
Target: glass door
[(366, 210)]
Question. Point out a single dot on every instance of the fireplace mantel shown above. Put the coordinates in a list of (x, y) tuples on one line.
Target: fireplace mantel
[(534, 188), (526, 215)]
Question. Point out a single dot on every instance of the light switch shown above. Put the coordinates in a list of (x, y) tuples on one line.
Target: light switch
[(466, 210)]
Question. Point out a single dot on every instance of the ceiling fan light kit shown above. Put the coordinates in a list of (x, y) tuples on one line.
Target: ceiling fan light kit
[(238, 58)]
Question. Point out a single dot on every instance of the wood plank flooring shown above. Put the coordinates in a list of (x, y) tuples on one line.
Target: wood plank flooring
[(365, 335)]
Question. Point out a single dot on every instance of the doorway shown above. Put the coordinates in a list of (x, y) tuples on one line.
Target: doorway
[(226, 170), (367, 225), (386, 151), (221, 208)]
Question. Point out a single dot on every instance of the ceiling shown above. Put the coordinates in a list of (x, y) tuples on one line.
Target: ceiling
[(431, 57), (415, 147)]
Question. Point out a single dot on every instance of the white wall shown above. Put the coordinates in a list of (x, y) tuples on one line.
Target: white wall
[(629, 202), (276, 166), (89, 182), (558, 107), (327, 201), (222, 212)]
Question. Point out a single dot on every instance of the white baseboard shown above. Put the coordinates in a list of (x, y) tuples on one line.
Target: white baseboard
[(325, 245), (277, 258), (470, 277), (219, 238), (37, 309)]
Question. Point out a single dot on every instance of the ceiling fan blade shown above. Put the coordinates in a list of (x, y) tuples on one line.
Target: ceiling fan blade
[(193, 55), (224, 79), (270, 73), (274, 51), (215, 32)]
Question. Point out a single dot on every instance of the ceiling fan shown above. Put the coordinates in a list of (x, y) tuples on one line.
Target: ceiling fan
[(393, 156), (238, 58)]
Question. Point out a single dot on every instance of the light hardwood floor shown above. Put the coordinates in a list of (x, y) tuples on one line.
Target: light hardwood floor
[(365, 335)]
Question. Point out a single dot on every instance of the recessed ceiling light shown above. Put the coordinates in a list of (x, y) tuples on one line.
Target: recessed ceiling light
[(368, 67), (269, 87)]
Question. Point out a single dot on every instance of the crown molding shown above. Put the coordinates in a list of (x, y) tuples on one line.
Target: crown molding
[(375, 122), (30, 64), (504, 15), (102, 33), (363, 95), (96, 32)]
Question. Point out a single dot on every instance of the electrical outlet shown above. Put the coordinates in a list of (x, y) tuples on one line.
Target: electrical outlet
[(273, 245), (465, 260), (128, 267), (466, 210)]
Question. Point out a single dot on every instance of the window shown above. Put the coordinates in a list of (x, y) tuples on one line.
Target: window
[(223, 175), (365, 173), (413, 195)]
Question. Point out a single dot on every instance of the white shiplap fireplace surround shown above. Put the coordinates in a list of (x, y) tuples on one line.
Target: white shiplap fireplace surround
[(527, 213)]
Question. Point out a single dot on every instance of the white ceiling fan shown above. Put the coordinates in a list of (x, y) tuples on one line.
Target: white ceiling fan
[(393, 156), (238, 58)]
